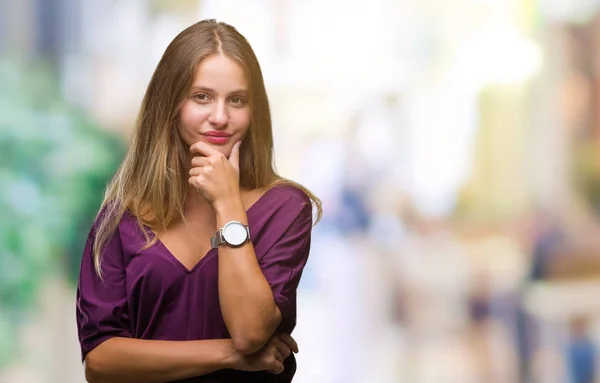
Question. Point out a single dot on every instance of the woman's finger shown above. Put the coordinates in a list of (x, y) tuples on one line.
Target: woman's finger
[(196, 172), (197, 182), (200, 161), (282, 348), (288, 340), (205, 149), (277, 368), (279, 355)]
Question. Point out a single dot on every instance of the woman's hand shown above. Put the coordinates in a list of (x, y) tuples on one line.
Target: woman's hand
[(270, 358), (213, 175)]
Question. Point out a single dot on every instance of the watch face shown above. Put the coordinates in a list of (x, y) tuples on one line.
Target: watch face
[(234, 233)]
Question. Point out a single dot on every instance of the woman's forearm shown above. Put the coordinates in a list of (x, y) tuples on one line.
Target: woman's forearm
[(153, 361), (247, 302)]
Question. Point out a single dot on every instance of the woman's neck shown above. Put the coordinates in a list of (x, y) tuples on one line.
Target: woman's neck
[(197, 208)]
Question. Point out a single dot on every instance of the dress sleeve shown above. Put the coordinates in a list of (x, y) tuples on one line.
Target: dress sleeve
[(102, 303), (283, 262)]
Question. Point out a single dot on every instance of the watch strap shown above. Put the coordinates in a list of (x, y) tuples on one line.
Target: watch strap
[(217, 240)]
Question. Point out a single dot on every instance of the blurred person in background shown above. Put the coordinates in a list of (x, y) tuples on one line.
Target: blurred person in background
[(191, 267), (546, 236), (581, 353)]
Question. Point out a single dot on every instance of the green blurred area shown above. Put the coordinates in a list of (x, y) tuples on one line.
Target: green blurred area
[(54, 165)]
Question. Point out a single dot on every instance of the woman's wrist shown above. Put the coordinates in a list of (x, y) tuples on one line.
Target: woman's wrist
[(231, 358), (231, 209), (226, 355)]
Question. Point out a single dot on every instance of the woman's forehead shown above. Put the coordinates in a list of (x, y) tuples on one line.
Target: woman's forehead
[(219, 72)]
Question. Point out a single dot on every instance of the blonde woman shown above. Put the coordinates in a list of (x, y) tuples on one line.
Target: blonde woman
[(191, 267)]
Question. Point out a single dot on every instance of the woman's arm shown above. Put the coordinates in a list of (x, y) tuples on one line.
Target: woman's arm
[(246, 298), (131, 360), (255, 298), (258, 296)]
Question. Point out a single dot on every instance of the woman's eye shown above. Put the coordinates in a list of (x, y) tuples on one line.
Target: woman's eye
[(237, 101), (201, 97)]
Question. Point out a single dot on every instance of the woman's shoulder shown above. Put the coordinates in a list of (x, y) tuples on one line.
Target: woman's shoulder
[(285, 210), (283, 202), (118, 228), (288, 193), (111, 216)]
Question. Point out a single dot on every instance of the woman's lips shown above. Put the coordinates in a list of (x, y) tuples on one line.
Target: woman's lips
[(217, 138)]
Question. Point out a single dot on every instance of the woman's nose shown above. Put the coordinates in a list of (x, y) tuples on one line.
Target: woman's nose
[(218, 116)]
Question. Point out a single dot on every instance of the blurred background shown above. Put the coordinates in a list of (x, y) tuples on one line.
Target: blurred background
[(455, 145)]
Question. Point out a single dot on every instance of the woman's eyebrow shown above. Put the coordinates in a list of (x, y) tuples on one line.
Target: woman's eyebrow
[(210, 90)]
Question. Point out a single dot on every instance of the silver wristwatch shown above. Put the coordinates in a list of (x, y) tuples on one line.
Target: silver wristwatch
[(233, 234)]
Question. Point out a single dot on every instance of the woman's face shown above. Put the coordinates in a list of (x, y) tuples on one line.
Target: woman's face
[(216, 109)]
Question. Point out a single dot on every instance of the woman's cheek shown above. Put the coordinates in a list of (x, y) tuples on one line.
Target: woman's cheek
[(193, 117), (242, 120)]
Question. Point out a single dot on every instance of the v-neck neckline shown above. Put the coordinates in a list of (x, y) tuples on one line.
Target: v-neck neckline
[(210, 251), (178, 261)]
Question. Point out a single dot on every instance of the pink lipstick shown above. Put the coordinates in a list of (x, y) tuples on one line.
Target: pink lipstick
[(217, 137)]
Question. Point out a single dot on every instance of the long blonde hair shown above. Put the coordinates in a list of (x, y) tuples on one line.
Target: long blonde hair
[(152, 180)]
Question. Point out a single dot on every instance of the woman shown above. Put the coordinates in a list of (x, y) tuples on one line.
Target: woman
[(191, 267)]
